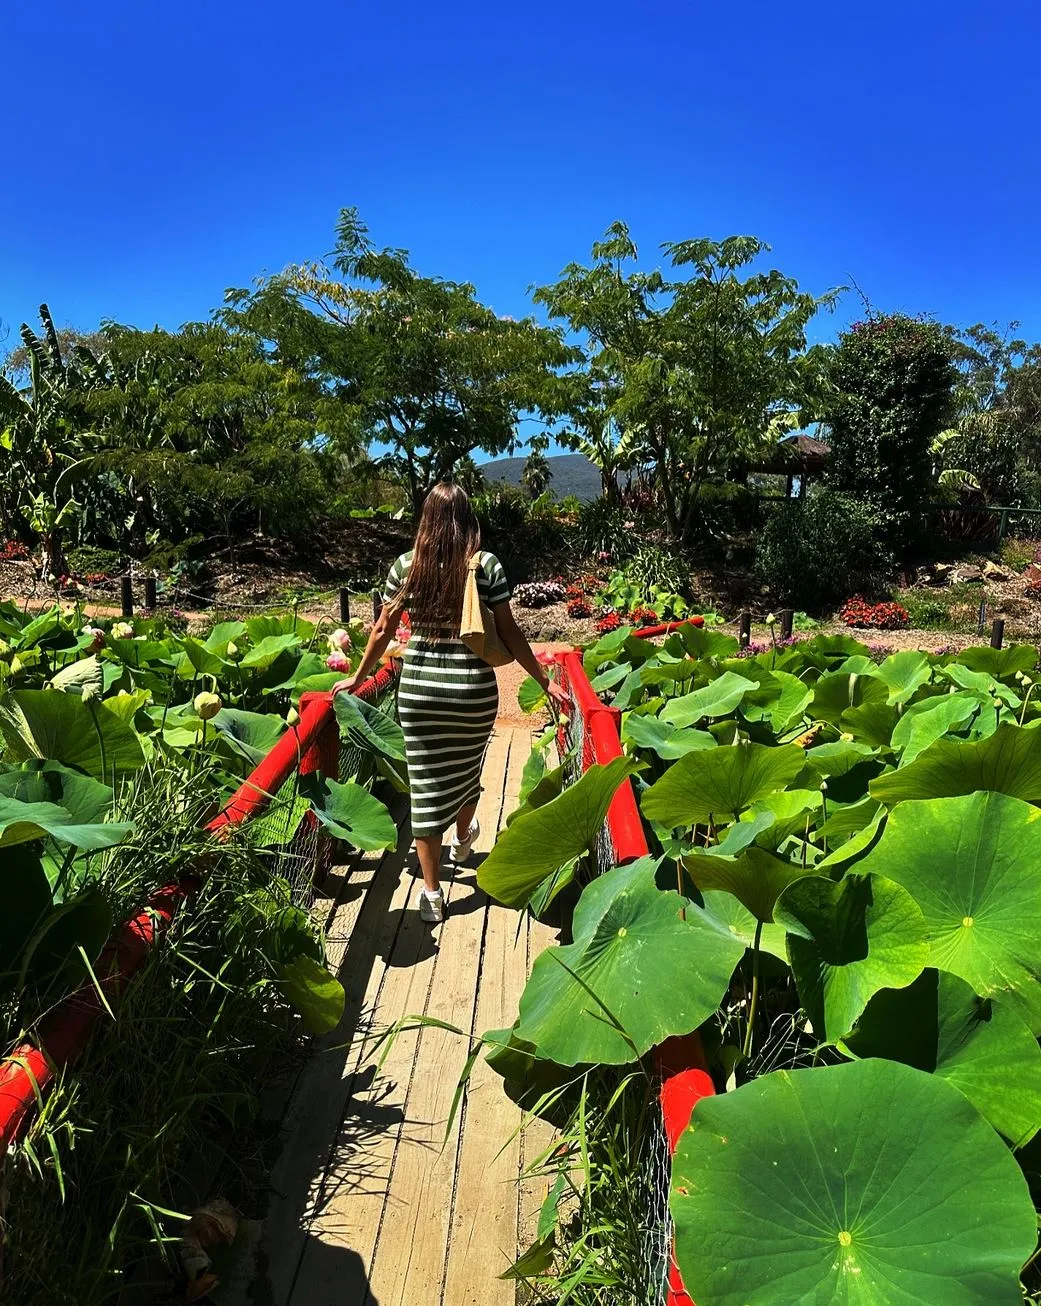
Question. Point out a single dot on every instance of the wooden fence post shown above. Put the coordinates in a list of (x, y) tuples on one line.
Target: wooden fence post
[(787, 621), (997, 633), (126, 595), (151, 595), (345, 606), (744, 629)]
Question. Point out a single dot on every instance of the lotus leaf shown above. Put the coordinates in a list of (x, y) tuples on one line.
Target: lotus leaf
[(318, 996), (871, 1183), (971, 863), (250, 734), (755, 877), (925, 722), (1007, 762), (614, 993), (903, 674), (538, 843), (349, 812), (835, 693), (846, 941), (42, 724), (982, 1047), (668, 741), (720, 782), (718, 698), (725, 908), (368, 727)]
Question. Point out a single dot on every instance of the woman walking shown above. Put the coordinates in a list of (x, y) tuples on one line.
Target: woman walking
[(448, 697)]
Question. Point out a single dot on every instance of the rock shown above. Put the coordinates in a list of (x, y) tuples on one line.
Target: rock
[(967, 576), (993, 572), (1032, 574)]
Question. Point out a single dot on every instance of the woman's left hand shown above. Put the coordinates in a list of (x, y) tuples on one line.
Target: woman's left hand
[(345, 686), (558, 695)]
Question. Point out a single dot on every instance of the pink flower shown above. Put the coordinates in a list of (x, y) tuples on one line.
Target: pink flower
[(603, 556), (402, 634), (628, 526), (337, 662), (340, 641), (546, 659)]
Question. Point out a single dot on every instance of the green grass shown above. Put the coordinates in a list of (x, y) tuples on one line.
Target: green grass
[(955, 608)]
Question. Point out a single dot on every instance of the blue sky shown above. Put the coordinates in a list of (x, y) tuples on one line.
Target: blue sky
[(158, 153)]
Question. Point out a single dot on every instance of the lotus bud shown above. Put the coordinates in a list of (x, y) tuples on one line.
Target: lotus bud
[(337, 662), (293, 717), (16, 665), (233, 650), (122, 630), (771, 618), (207, 705), (340, 641)]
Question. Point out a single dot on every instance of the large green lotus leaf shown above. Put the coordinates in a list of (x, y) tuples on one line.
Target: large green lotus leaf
[(923, 723), (871, 723), (725, 909), (531, 697), (349, 812), (126, 705), (200, 659), (87, 801), (983, 685), (720, 782), (612, 994), (538, 843), (971, 863), (847, 940), (285, 623), (140, 652), (903, 674), (781, 700), (664, 671), (1008, 762), (702, 642), (789, 811), (660, 737), (755, 877), (611, 647), (835, 693), (869, 1184), (22, 822), (368, 727), (982, 1047), (827, 651), (77, 676), (47, 623), (1000, 662), (847, 819), (267, 652), (607, 679), (225, 633), (718, 698), (251, 734), (40, 723), (839, 758)]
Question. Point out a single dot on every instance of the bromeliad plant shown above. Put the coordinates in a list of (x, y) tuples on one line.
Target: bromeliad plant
[(846, 848)]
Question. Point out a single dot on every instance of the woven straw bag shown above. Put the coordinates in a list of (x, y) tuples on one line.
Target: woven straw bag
[(477, 627)]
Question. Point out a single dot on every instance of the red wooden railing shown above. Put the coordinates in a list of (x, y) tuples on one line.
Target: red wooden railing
[(680, 1061), (26, 1074)]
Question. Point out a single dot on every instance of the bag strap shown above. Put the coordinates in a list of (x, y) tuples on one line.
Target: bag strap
[(475, 561)]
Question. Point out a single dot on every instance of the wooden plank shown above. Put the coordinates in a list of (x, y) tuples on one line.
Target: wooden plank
[(326, 1081), (409, 1262), (484, 1218)]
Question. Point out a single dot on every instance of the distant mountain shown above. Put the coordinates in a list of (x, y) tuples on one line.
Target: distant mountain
[(573, 473)]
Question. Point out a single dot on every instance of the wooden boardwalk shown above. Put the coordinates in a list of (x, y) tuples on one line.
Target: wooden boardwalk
[(371, 1207)]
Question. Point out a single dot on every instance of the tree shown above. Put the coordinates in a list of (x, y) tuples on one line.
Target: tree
[(422, 369), (203, 426), (893, 383), (44, 441), (536, 475), (703, 369)]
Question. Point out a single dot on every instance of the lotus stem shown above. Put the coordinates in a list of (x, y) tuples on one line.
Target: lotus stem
[(753, 1001)]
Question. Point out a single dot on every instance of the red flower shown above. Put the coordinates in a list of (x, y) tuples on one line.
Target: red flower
[(876, 616), (644, 617), (608, 622), (579, 608)]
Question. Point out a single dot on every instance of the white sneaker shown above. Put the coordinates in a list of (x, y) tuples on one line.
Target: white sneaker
[(432, 906), (459, 849)]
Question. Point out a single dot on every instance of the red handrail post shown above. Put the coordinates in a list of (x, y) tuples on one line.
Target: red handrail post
[(323, 751)]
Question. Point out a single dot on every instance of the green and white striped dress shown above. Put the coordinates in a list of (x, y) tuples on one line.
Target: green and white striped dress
[(447, 703)]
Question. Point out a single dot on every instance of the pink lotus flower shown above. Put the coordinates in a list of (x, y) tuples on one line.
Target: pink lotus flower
[(546, 659), (337, 662), (340, 641)]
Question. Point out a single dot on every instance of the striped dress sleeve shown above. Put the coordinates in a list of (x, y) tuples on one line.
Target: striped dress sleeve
[(396, 578), (492, 585)]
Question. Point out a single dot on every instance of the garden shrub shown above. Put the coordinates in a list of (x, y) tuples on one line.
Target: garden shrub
[(818, 550), (893, 380)]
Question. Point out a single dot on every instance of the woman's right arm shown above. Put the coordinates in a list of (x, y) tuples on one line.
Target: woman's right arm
[(379, 637)]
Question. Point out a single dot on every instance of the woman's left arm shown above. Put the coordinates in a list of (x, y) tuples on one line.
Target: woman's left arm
[(514, 639)]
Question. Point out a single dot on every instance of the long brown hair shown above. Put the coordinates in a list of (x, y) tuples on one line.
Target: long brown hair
[(447, 538)]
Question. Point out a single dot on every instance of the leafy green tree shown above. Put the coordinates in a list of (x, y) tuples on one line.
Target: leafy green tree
[(893, 381), (537, 474), (704, 369), (425, 374), (45, 443)]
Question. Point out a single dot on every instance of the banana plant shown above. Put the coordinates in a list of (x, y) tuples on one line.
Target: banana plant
[(43, 440)]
